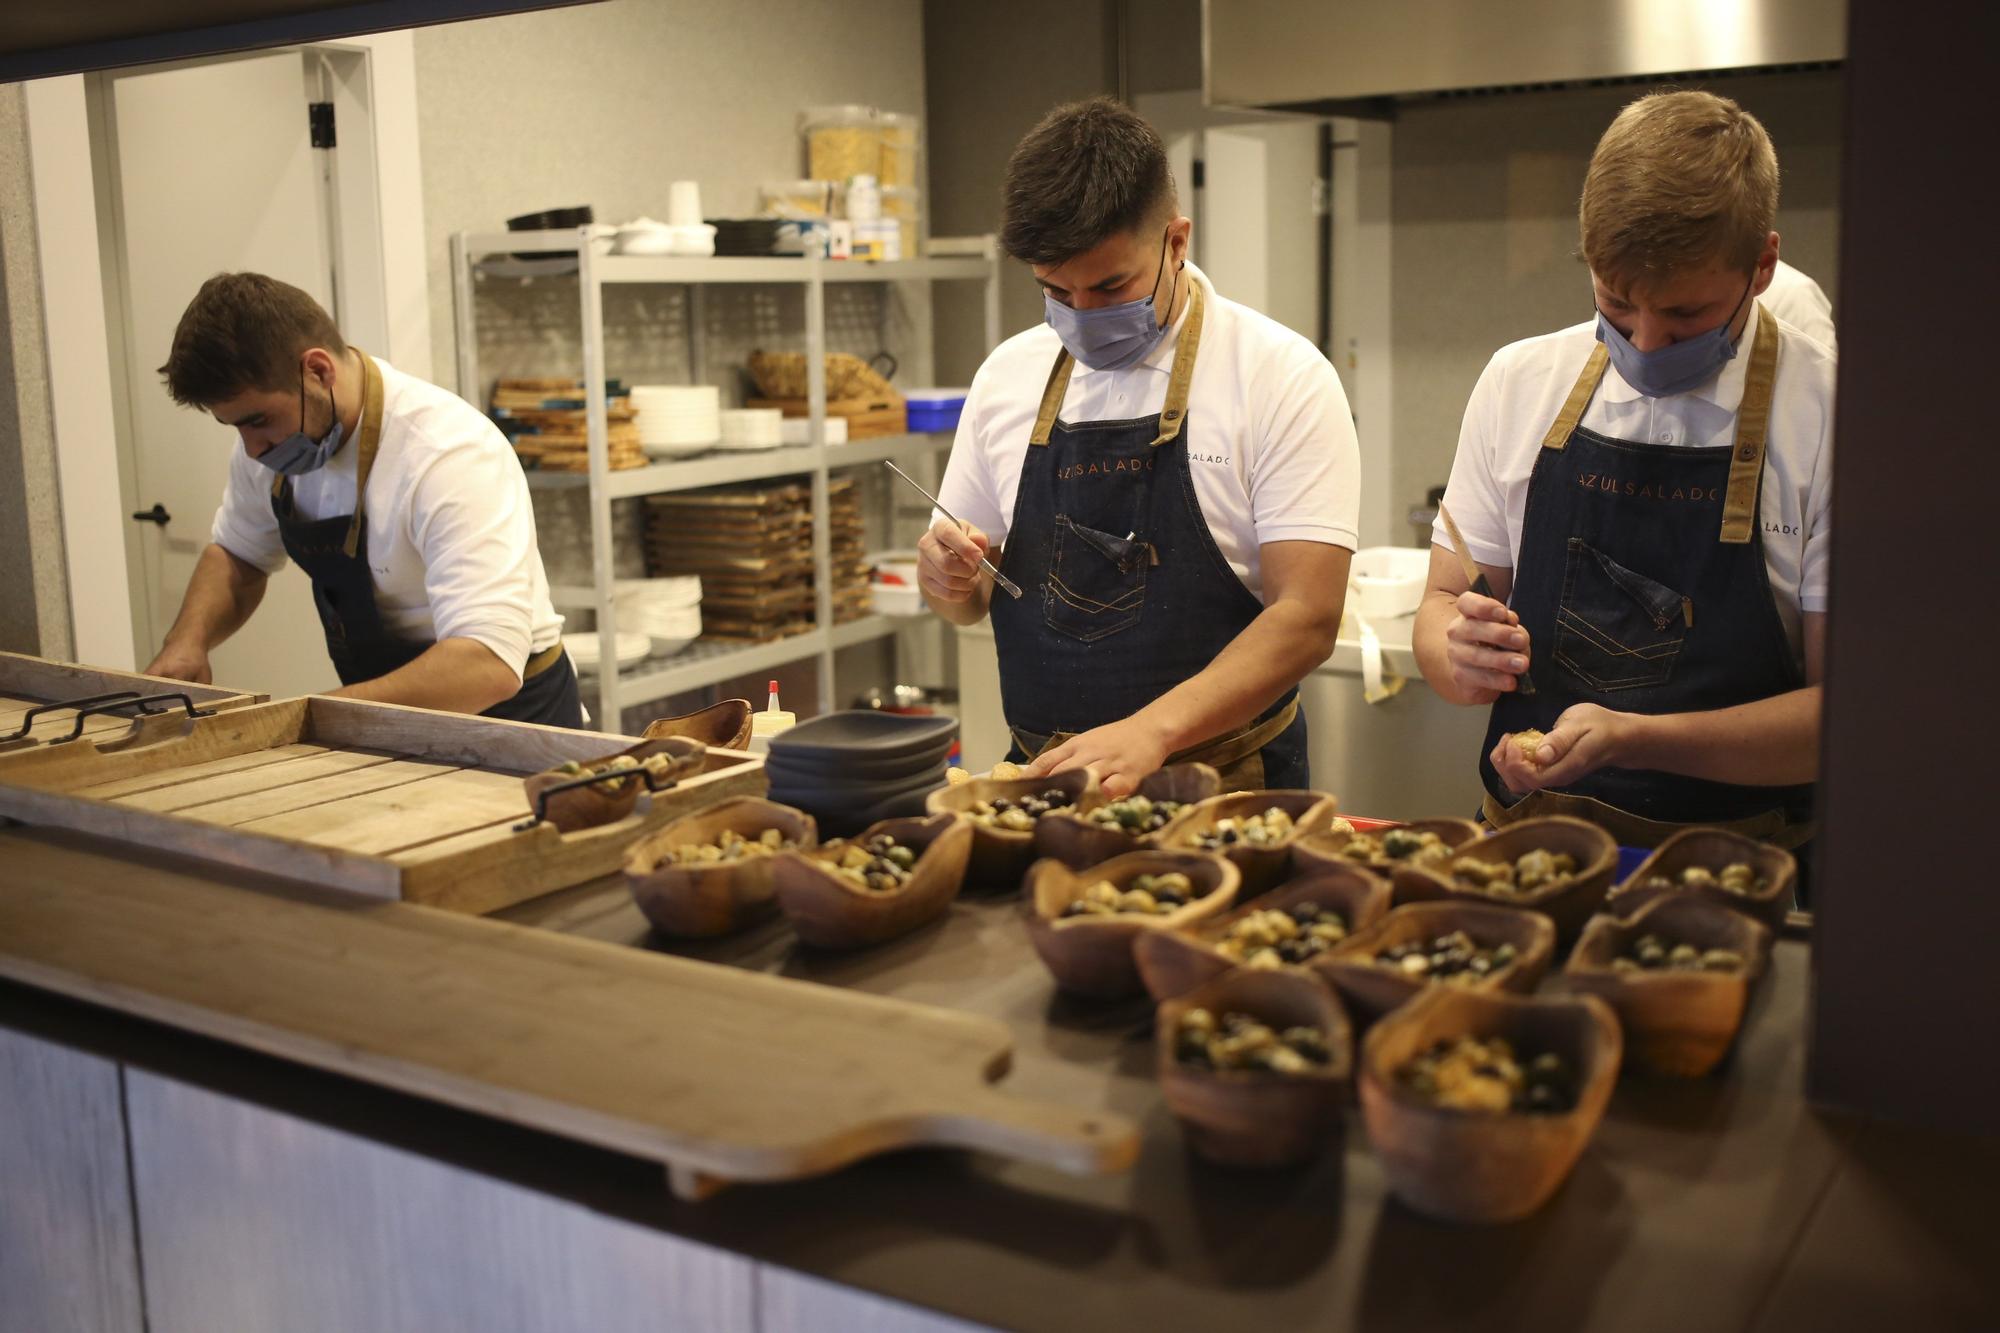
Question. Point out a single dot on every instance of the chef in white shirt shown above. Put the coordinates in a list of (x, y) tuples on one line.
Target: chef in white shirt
[(1170, 478), (1798, 301), (1648, 495), (402, 503)]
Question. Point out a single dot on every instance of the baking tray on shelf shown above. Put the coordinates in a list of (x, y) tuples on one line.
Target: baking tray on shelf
[(371, 798)]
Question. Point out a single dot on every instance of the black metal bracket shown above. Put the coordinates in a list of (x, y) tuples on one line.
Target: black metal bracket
[(120, 697), (652, 780), (144, 705), (319, 120)]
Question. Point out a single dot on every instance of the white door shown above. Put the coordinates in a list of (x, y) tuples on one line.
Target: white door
[(1262, 225), (215, 172)]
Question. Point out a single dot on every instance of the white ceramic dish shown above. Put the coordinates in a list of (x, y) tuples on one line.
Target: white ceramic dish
[(631, 649)]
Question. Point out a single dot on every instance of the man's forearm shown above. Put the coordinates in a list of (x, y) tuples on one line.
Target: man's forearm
[(452, 676), (1273, 653), (1770, 743), (221, 594)]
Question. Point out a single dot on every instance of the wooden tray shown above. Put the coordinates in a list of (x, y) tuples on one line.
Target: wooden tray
[(29, 682), (776, 1080), (372, 798)]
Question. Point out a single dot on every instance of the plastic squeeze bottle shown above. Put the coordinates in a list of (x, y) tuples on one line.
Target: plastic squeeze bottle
[(769, 723)]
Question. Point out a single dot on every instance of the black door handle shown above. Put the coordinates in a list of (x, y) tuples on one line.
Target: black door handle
[(157, 514)]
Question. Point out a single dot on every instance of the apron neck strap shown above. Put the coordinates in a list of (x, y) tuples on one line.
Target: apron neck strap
[(1175, 410), (1753, 420), (1172, 415), (1579, 398)]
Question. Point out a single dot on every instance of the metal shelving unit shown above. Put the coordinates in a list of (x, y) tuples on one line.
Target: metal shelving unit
[(570, 254)]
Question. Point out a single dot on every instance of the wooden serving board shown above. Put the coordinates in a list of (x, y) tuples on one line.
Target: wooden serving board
[(719, 1074), (372, 798), (29, 682)]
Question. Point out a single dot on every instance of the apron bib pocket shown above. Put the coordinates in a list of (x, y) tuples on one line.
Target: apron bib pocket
[(1616, 629), (1096, 584)]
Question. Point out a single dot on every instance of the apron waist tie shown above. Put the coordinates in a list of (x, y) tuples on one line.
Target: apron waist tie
[(541, 661), (1221, 753), (1772, 826)]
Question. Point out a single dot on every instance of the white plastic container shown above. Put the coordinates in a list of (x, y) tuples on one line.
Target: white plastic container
[(894, 586), (864, 200), (1388, 581)]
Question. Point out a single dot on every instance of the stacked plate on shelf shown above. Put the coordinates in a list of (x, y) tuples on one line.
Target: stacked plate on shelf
[(586, 653), (667, 611), (849, 769), (676, 419), (752, 428)]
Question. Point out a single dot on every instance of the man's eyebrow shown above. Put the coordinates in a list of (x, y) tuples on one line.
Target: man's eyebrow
[(243, 420)]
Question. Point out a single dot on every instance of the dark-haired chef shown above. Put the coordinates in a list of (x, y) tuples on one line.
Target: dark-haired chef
[(1648, 494), (1171, 479), (401, 502)]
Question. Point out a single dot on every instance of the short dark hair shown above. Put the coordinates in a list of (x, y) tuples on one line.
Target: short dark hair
[(1089, 171), (244, 331)]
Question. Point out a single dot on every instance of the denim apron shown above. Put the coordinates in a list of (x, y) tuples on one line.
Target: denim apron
[(333, 552), (1127, 593), (1642, 585)]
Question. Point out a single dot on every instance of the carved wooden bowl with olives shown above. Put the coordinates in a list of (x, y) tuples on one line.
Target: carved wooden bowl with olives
[(1419, 842), (886, 881), (1449, 1149), (1425, 946), (1318, 912), (712, 873), (1080, 838), (1558, 866), (1727, 868), (608, 801), (1678, 974), (1083, 923), (1254, 829), (1256, 1066), (1003, 813)]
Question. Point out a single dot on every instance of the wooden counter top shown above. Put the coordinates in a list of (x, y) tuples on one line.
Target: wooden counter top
[(1721, 1204)]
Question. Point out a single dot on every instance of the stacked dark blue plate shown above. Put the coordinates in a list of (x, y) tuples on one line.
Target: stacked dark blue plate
[(849, 769)]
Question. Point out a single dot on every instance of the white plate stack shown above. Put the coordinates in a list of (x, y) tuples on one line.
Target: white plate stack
[(667, 611), (677, 419), (753, 428), (798, 430), (586, 654)]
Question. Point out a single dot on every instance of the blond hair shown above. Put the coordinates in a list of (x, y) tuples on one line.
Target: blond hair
[(1679, 181)]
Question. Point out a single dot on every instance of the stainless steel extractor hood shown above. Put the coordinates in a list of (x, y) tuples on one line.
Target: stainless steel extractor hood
[(1333, 55)]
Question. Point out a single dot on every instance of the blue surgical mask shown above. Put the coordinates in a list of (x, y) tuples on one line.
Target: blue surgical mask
[(1111, 337), (1677, 367), (299, 453)]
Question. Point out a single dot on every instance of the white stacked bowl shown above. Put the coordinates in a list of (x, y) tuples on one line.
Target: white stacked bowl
[(677, 418), (753, 428), (666, 610)]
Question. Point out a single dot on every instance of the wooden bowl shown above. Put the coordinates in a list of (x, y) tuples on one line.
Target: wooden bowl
[(701, 901), (1173, 962), (1000, 857), (1675, 1023), (1262, 867), (1464, 1166), (725, 725), (610, 801), (1569, 905), (1256, 1118), (1371, 989), (1078, 842), (1092, 955), (830, 912), (1714, 848), (1328, 847)]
